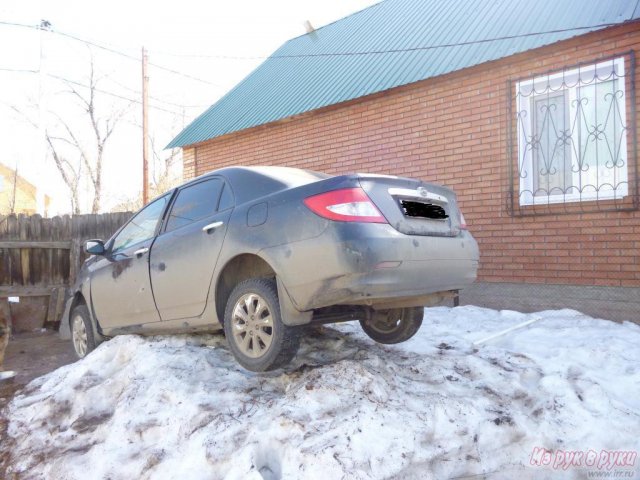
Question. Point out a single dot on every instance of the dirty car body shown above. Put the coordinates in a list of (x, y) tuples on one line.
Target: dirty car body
[(333, 247)]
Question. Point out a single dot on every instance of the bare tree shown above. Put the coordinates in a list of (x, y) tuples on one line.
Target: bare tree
[(91, 158), (14, 191), (70, 174), (73, 156), (164, 176)]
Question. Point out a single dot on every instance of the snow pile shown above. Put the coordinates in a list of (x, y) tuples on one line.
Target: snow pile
[(436, 406)]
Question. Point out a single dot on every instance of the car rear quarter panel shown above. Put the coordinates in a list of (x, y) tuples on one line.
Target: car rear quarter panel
[(277, 219)]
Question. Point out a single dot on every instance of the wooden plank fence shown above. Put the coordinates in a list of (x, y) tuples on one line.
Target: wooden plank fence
[(40, 258)]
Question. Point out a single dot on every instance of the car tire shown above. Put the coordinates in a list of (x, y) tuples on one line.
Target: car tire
[(393, 326), (257, 337), (82, 336)]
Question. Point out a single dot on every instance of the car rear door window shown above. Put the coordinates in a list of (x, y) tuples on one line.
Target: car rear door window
[(195, 202), (226, 199)]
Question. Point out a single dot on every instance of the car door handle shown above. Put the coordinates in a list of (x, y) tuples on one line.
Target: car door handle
[(141, 251), (211, 226)]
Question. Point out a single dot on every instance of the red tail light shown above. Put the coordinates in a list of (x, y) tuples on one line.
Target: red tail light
[(345, 205), (463, 223)]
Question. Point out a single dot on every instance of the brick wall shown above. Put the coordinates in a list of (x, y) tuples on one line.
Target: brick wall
[(189, 163), (453, 130)]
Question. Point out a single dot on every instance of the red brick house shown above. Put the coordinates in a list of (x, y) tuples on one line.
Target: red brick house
[(532, 119)]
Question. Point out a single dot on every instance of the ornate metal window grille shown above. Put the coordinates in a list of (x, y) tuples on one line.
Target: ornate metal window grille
[(574, 137)]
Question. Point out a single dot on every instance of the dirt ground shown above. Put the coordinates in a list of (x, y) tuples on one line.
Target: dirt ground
[(30, 355)]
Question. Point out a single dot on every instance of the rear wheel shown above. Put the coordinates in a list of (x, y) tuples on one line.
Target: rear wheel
[(253, 326), (81, 331), (393, 326)]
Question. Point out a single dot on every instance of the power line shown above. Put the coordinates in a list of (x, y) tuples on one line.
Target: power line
[(111, 50), (18, 70), (138, 92), (334, 54), (133, 90), (216, 57), (448, 45), (328, 54), (106, 92), (398, 50)]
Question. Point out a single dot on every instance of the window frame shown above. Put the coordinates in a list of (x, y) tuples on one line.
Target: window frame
[(570, 82), (113, 239), (165, 223)]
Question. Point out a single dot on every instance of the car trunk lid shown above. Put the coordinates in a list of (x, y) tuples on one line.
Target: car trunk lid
[(414, 207)]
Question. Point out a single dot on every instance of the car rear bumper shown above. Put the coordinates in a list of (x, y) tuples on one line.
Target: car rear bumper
[(370, 264)]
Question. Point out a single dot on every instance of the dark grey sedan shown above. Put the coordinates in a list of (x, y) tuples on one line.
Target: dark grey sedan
[(262, 252)]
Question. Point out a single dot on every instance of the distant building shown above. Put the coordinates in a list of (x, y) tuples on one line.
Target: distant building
[(527, 109), (17, 195)]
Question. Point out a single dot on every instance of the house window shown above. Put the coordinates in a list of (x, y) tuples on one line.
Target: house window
[(572, 135)]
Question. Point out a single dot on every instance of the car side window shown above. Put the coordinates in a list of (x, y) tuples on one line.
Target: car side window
[(195, 202), (141, 227), (226, 199)]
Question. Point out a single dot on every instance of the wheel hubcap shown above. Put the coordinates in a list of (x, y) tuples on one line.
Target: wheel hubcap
[(79, 336), (252, 325), (386, 322)]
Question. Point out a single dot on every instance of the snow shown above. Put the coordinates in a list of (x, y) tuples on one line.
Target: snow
[(434, 407)]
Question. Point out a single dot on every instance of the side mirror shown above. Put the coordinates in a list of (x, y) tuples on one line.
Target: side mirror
[(94, 247)]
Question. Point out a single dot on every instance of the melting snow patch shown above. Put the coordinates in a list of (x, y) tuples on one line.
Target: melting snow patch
[(434, 407)]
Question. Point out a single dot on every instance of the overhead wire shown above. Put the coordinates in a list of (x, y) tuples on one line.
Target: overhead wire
[(106, 92), (18, 70), (321, 54), (309, 55), (133, 90), (113, 94), (393, 50), (108, 49), (110, 78)]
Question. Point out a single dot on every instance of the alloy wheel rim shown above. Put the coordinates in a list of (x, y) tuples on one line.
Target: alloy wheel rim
[(252, 325), (79, 336)]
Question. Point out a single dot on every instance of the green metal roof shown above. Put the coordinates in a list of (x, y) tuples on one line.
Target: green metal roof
[(393, 43)]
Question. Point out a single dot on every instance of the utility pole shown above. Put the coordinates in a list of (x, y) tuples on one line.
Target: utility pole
[(145, 128)]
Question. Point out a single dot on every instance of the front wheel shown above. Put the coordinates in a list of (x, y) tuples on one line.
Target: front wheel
[(82, 332), (253, 326), (393, 326)]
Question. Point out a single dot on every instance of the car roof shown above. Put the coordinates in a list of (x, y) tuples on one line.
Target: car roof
[(252, 182)]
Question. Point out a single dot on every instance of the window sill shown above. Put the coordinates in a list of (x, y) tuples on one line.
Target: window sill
[(564, 199)]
